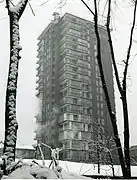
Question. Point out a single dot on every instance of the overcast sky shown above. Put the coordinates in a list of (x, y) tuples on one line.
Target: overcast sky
[(30, 28)]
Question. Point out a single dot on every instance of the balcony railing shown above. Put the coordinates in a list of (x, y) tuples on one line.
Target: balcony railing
[(80, 118)]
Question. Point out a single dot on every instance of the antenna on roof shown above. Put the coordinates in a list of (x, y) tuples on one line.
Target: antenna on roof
[(56, 16)]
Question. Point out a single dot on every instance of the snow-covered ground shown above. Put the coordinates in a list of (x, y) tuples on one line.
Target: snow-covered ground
[(87, 169)]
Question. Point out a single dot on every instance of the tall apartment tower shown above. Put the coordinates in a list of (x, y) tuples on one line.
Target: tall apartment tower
[(73, 112)]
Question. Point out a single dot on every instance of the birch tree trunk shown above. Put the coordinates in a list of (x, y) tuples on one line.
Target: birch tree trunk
[(11, 125)]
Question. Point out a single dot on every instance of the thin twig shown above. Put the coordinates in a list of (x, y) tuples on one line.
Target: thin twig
[(44, 3), (31, 9), (12, 3), (111, 48), (88, 7), (62, 3), (3, 18), (37, 163), (130, 45)]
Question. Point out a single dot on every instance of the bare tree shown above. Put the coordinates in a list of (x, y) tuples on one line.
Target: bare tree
[(101, 150), (124, 158), (111, 113), (122, 86), (15, 12)]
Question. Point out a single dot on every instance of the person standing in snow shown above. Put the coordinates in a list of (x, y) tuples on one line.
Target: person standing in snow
[(55, 157), (57, 153)]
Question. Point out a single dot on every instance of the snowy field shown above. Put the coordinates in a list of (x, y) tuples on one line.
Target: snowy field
[(87, 169)]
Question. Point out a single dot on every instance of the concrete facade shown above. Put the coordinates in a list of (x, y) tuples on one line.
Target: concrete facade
[(73, 113)]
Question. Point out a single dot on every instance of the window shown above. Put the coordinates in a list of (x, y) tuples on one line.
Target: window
[(65, 93), (86, 127), (75, 117), (76, 135), (87, 94), (101, 105), (85, 110), (102, 121), (76, 126), (66, 125), (75, 101), (65, 108), (66, 145), (89, 111), (101, 90), (74, 46), (102, 113), (68, 116), (96, 61), (98, 112), (61, 127), (74, 76), (74, 68), (101, 98), (91, 128), (95, 47), (86, 86)]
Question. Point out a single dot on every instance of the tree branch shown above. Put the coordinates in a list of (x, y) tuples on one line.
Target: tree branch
[(8, 5), (12, 3), (31, 9), (129, 48), (111, 113), (18, 9), (88, 7), (21, 7), (111, 48)]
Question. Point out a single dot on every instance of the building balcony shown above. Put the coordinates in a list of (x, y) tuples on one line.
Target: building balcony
[(72, 56), (76, 101), (81, 36), (75, 77), (86, 136), (75, 138), (68, 61), (69, 134), (75, 126), (75, 117), (74, 145), (77, 53)]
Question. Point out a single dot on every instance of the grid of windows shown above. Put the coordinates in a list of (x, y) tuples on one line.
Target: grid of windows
[(70, 64)]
